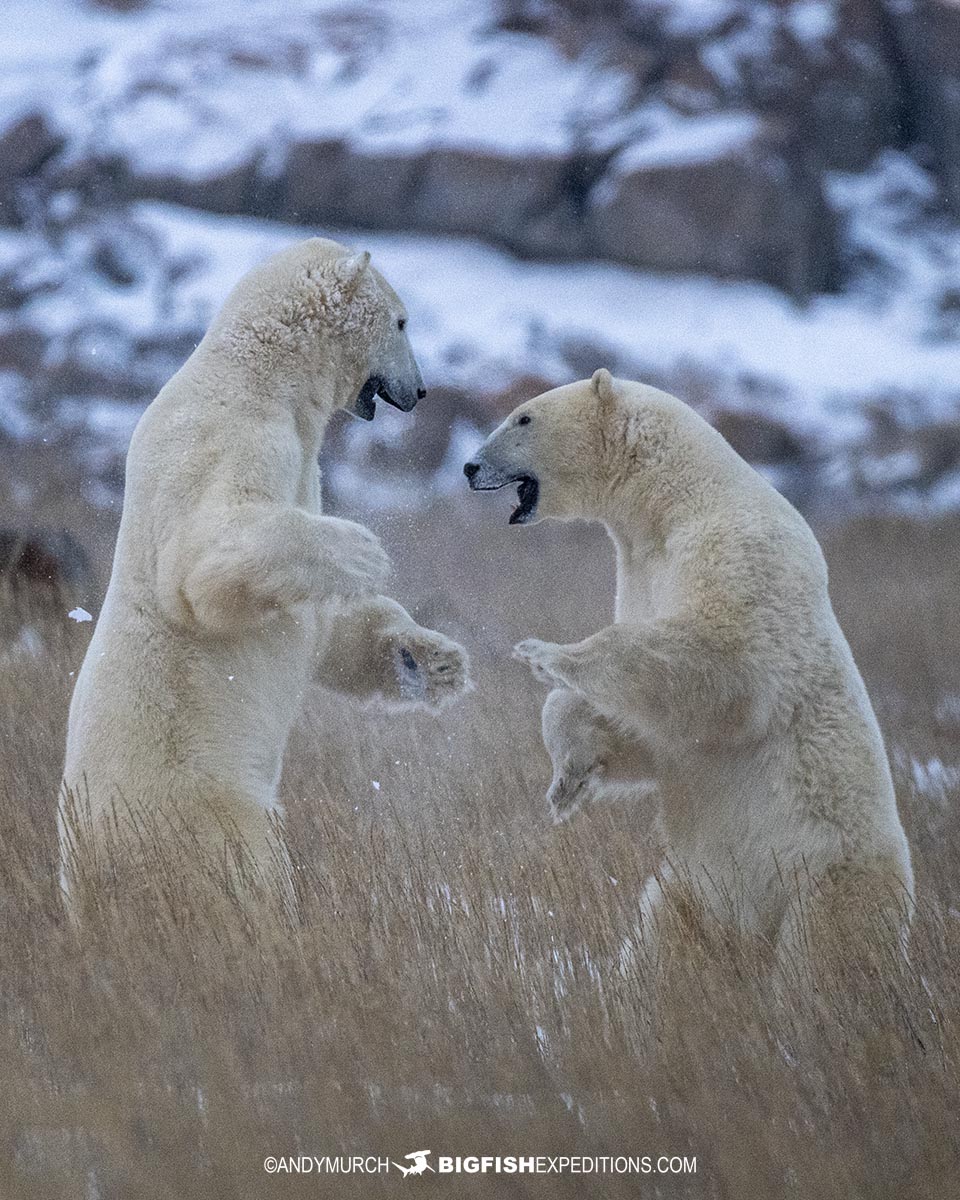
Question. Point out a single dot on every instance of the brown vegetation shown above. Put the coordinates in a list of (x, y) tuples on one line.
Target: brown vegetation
[(450, 984)]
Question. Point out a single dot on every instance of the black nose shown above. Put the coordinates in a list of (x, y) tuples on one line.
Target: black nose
[(421, 392), (470, 469)]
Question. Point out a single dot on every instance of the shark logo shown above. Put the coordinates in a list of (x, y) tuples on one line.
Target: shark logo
[(418, 1163)]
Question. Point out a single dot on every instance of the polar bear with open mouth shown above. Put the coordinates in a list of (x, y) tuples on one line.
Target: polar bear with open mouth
[(724, 676), (231, 591)]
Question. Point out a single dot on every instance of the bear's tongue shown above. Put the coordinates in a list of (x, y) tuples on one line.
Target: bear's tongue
[(527, 493)]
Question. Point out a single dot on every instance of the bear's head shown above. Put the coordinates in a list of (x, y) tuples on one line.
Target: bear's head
[(327, 313), (388, 368), (555, 447)]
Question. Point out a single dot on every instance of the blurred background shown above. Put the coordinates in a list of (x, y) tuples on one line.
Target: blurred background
[(753, 203)]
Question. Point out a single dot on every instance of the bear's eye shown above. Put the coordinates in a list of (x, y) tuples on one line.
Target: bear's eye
[(524, 420), (401, 323)]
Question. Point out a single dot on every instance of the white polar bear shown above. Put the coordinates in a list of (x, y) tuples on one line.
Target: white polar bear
[(230, 592), (724, 680), (592, 759)]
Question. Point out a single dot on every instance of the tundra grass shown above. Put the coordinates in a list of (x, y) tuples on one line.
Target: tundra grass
[(450, 984)]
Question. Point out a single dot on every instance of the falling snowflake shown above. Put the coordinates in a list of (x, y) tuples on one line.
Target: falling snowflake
[(79, 615)]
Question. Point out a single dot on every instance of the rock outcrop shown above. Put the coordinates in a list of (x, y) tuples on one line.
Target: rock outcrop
[(682, 136)]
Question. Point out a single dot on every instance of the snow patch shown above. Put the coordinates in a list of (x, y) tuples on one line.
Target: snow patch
[(811, 21), (690, 141)]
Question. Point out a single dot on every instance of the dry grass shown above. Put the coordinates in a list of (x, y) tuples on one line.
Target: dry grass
[(449, 986)]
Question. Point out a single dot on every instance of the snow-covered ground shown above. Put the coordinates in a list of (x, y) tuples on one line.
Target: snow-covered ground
[(481, 319), (384, 74), (299, 67), (108, 299)]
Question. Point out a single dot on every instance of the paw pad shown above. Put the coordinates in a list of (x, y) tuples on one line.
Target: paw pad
[(431, 670)]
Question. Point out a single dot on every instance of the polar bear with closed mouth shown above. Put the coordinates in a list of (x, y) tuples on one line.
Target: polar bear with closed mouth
[(724, 680), (231, 592)]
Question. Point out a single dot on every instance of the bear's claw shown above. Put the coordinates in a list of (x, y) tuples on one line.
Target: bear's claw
[(431, 670), (565, 798)]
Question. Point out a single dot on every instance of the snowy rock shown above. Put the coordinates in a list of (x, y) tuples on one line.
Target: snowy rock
[(792, 386), (26, 144), (719, 194), (328, 181), (230, 188), (497, 119), (517, 201), (762, 438), (21, 349), (820, 68)]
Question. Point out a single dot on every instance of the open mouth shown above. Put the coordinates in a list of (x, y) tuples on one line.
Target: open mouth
[(365, 406), (528, 493)]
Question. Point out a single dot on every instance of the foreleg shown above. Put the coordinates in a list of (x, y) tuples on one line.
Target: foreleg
[(376, 652), (669, 676), (592, 759), (235, 567)]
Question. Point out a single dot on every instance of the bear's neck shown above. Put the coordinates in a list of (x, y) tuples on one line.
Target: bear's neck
[(644, 518), (279, 383), (637, 549)]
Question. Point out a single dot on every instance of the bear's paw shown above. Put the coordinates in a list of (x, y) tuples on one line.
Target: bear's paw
[(542, 659), (567, 795), (355, 563), (431, 669)]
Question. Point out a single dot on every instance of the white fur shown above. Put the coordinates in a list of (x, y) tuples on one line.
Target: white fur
[(230, 591), (725, 672)]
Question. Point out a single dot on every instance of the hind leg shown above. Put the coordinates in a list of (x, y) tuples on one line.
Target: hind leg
[(852, 916), (249, 853), (640, 949)]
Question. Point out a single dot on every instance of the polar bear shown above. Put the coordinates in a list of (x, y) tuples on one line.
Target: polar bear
[(592, 760), (231, 592), (724, 681)]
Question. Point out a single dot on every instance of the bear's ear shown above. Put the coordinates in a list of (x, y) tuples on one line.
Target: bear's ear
[(350, 271), (603, 385)]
